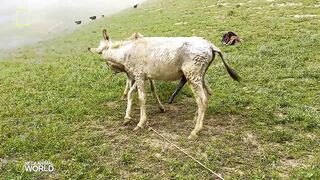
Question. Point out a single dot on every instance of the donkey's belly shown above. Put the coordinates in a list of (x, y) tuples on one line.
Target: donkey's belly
[(165, 73)]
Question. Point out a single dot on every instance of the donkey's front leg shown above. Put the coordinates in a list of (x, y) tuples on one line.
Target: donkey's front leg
[(129, 83), (155, 94), (142, 98), (128, 118), (126, 90)]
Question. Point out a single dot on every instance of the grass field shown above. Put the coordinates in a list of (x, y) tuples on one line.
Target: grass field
[(60, 103)]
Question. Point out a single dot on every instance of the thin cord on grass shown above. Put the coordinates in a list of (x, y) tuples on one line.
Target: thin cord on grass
[(180, 149)]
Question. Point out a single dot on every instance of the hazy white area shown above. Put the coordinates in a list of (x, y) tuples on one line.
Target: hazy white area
[(28, 21)]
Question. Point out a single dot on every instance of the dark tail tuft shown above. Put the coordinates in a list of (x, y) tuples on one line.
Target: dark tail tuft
[(231, 71)]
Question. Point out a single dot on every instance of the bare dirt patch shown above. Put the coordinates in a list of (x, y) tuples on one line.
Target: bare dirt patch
[(251, 139), (287, 4), (304, 15), (292, 163)]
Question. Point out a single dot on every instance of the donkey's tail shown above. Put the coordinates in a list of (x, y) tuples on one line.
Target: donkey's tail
[(231, 71)]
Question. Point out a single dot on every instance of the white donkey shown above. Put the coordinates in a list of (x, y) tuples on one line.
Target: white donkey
[(165, 58)]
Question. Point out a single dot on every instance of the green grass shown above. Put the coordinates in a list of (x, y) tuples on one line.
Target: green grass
[(62, 104)]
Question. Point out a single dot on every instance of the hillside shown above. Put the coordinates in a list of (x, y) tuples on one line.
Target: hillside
[(60, 103)]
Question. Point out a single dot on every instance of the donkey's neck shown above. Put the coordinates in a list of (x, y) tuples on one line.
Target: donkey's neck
[(116, 56)]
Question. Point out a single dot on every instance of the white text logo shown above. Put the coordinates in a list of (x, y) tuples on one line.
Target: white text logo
[(45, 166)]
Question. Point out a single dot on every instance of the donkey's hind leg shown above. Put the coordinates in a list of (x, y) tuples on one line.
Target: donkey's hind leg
[(202, 102), (195, 76), (207, 88)]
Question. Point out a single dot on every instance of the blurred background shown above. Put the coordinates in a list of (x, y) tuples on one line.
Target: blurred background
[(24, 22)]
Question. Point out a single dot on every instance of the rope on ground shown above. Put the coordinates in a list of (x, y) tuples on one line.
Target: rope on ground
[(183, 151)]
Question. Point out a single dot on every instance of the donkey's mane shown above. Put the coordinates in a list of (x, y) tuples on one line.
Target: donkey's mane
[(118, 44)]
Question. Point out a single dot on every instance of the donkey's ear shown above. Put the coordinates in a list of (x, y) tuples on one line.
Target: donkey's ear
[(105, 35), (137, 35)]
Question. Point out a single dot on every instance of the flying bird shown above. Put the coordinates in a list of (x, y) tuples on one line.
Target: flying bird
[(93, 17), (135, 6), (78, 22)]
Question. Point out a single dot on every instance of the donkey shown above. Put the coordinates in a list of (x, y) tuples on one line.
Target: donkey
[(168, 59)]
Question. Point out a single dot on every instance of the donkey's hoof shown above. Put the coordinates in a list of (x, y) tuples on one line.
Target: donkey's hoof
[(193, 136), (127, 120), (162, 109), (137, 128)]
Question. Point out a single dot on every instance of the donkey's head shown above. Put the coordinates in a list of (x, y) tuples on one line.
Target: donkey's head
[(104, 44)]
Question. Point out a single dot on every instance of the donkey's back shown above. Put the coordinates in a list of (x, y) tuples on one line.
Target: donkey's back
[(170, 54), (175, 45)]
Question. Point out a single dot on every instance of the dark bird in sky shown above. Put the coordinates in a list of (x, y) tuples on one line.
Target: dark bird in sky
[(78, 22), (93, 17), (135, 6)]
